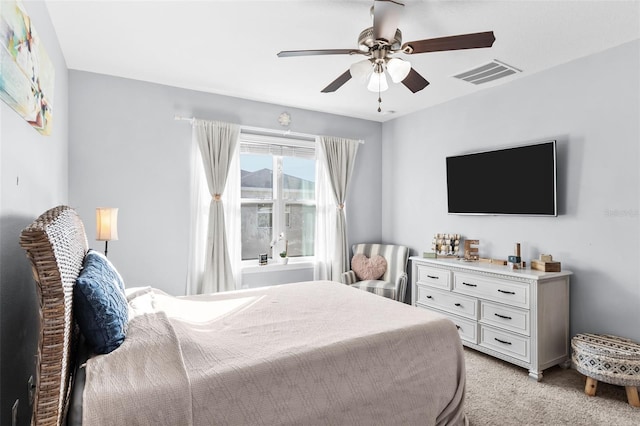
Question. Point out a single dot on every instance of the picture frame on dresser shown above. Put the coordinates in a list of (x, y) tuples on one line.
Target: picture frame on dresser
[(518, 315)]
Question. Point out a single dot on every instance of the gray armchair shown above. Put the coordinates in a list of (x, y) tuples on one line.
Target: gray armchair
[(393, 284)]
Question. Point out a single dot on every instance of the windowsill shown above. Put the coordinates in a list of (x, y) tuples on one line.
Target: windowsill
[(252, 267)]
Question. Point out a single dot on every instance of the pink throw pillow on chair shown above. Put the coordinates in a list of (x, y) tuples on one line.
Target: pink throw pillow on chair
[(368, 268)]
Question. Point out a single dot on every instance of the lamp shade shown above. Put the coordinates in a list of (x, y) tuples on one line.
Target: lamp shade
[(398, 69), (361, 69), (378, 82), (106, 224)]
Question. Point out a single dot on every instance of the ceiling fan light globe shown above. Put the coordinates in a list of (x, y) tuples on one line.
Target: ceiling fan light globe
[(360, 69), (378, 82), (398, 69)]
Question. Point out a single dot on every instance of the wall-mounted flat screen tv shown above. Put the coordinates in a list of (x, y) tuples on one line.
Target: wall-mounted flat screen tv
[(519, 180)]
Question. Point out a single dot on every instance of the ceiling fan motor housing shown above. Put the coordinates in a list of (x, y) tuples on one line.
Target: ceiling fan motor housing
[(366, 41)]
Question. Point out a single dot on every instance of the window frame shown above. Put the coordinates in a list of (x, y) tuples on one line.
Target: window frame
[(270, 146)]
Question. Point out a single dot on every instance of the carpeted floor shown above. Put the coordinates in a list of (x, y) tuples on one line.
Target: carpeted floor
[(499, 393)]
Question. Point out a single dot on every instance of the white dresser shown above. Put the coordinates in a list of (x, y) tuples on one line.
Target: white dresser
[(520, 316)]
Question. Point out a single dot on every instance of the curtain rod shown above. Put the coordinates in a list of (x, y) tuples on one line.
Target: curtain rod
[(250, 129)]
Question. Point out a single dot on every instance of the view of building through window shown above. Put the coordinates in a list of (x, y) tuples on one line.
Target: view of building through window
[(275, 203)]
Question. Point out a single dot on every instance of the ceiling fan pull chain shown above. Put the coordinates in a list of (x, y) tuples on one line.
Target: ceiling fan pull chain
[(379, 97)]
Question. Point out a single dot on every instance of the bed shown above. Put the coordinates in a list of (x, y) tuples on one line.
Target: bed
[(305, 353)]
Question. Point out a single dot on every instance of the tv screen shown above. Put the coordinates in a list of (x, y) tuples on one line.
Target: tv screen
[(512, 181)]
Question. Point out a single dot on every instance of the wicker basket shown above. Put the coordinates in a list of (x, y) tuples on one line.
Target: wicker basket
[(55, 244)]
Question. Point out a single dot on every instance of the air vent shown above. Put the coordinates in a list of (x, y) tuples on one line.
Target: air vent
[(488, 72)]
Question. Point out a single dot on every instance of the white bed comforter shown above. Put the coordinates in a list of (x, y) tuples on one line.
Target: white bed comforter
[(298, 354)]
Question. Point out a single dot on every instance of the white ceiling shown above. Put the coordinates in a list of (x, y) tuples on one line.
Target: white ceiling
[(230, 47)]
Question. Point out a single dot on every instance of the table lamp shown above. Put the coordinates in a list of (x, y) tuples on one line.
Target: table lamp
[(106, 225)]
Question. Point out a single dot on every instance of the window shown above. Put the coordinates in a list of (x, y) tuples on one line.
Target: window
[(277, 195)]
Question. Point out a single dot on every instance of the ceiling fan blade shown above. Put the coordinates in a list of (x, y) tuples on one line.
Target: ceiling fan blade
[(414, 81), (289, 53), (457, 42), (338, 82), (386, 15)]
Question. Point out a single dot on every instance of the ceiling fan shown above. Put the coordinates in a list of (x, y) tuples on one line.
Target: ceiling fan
[(382, 42)]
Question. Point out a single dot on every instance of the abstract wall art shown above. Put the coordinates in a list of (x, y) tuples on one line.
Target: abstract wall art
[(26, 73)]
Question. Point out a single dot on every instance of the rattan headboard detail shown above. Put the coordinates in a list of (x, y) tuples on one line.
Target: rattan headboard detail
[(55, 244)]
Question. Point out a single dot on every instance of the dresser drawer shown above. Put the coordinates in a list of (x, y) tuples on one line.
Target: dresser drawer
[(449, 302), (508, 292), (512, 319), (505, 342), (435, 277), (467, 329)]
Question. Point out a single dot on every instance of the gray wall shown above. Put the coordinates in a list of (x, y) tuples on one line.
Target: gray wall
[(591, 107), (34, 178), (127, 151)]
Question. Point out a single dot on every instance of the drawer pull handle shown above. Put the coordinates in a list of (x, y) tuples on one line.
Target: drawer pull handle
[(502, 316), (433, 277), (506, 292), (457, 304), (502, 341), (470, 285), (429, 297)]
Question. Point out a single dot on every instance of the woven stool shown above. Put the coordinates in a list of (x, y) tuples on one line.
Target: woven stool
[(608, 359)]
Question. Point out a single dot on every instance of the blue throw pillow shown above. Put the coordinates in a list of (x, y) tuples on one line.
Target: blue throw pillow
[(100, 304)]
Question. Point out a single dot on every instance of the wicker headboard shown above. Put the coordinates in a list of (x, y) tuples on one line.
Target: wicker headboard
[(55, 244)]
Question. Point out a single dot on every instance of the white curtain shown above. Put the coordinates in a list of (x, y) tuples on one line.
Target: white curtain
[(210, 259), (336, 160), (199, 220), (233, 217)]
